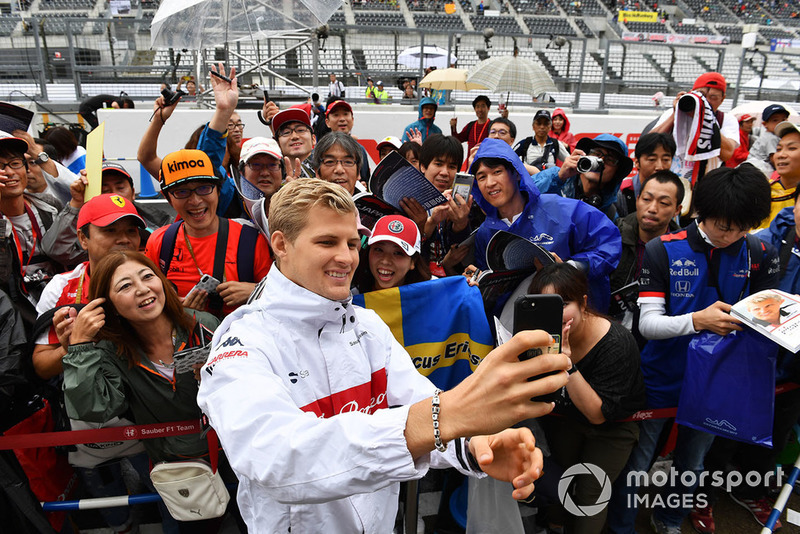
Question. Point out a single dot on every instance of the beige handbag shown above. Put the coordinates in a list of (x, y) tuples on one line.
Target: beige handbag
[(192, 490)]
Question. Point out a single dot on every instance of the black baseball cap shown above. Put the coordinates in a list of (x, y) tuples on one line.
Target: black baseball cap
[(542, 114), (115, 168), (771, 110)]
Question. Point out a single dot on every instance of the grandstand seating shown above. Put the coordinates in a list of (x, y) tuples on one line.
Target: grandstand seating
[(582, 7), (436, 6), (55, 23), (587, 31), (549, 26), (364, 18), (7, 24), (144, 27), (58, 5), (691, 29), (709, 10), (387, 5), (439, 21), (501, 24), (535, 7), (734, 32), (337, 19), (776, 33), (647, 27)]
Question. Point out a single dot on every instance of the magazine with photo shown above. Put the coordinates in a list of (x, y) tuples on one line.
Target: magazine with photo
[(773, 313), (395, 179)]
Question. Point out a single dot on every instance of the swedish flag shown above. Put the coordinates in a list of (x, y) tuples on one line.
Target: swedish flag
[(441, 323)]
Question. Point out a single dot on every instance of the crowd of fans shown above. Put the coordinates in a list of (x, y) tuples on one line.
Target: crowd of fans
[(97, 296)]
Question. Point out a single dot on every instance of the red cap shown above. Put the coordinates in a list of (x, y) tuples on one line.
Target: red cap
[(399, 230), (338, 104), (289, 115), (746, 117), (104, 210), (711, 79), (14, 144)]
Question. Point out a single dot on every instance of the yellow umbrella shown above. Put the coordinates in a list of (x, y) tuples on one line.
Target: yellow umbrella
[(449, 80)]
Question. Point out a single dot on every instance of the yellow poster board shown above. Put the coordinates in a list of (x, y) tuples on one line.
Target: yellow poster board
[(637, 16), (94, 162)]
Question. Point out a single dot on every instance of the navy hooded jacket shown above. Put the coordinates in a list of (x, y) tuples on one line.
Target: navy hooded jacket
[(781, 235), (570, 228), (426, 126)]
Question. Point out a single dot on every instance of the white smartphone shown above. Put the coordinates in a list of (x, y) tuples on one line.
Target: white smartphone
[(207, 283), (462, 185)]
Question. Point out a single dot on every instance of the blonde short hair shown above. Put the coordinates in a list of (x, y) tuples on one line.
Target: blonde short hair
[(755, 299), (289, 207)]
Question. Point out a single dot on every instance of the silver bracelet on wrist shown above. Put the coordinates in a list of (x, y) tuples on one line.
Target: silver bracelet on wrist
[(437, 436)]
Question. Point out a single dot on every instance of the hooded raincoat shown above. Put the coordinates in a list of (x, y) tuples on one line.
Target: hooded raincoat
[(565, 136), (570, 228), (426, 126)]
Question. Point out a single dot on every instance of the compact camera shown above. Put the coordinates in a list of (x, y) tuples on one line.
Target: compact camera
[(170, 97), (590, 164)]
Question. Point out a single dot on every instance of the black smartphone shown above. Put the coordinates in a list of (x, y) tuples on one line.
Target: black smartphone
[(540, 312)]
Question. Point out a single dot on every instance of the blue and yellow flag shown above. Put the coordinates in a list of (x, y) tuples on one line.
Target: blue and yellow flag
[(441, 323)]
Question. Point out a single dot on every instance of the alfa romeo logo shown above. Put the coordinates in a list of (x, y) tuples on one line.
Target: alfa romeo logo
[(396, 227)]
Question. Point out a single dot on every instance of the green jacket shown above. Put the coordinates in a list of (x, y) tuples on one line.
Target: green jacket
[(98, 385)]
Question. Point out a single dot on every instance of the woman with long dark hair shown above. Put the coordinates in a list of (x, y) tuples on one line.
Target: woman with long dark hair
[(605, 387), (120, 358)]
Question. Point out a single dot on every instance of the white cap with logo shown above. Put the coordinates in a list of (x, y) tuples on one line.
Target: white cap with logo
[(260, 145)]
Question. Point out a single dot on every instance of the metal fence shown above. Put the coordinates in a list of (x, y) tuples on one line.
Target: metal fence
[(593, 74)]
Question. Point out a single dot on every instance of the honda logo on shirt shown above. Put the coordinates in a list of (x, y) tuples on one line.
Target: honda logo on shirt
[(683, 286)]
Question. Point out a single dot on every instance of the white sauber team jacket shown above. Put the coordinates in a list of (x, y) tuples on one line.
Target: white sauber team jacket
[(310, 399)]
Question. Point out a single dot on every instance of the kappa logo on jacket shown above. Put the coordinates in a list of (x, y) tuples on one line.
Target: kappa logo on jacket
[(230, 342)]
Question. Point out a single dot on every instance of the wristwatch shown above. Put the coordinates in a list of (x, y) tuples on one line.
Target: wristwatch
[(42, 158)]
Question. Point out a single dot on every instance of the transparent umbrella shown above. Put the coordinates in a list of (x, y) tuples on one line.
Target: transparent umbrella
[(512, 74), (433, 56), (195, 24)]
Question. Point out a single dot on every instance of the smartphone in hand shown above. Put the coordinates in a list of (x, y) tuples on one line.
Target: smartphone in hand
[(540, 312), (207, 283), (462, 185)]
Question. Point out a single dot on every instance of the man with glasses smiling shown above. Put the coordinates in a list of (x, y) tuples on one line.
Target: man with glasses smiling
[(260, 167), (337, 159), (292, 128), (24, 220), (201, 243)]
